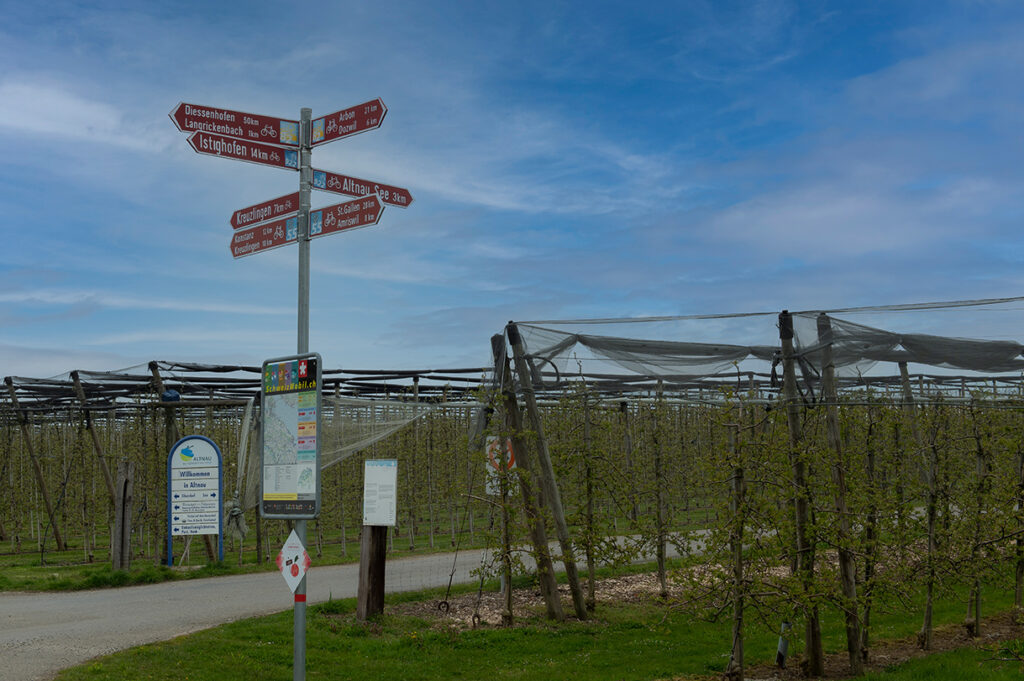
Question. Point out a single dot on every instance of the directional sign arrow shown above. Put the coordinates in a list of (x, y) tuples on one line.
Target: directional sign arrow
[(354, 186), (264, 237), (268, 210), (243, 150), (350, 121), (237, 124), (362, 212)]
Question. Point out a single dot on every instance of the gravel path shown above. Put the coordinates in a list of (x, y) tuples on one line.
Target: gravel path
[(42, 633)]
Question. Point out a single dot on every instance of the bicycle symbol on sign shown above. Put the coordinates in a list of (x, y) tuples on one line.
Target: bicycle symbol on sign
[(279, 232), (334, 182), (332, 125), (268, 131), (274, 156), (329, 220)]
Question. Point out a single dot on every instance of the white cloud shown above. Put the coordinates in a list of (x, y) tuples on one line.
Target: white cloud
[(113, 300), (31, 105)]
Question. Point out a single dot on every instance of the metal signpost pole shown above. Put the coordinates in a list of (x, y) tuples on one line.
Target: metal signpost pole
[(305, 183)]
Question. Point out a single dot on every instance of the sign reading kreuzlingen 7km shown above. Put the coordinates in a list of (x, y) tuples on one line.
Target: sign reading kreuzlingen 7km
[(291, 437)]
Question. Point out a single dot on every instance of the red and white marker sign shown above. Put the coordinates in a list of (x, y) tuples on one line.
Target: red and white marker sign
[(350, 121), (264, 237), (237, 124), (362, 212), (268, 210), (243, 150), (354, 186), (293, 561)]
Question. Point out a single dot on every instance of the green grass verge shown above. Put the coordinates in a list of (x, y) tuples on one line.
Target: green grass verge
[(623, 641)]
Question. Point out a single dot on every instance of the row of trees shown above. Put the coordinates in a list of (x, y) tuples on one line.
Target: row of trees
[(788, 511)]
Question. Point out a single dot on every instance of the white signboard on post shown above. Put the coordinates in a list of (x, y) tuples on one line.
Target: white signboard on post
[(380, 492), (194, 486)]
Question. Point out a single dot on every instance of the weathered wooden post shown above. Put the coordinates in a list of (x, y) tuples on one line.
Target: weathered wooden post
[(373, 548), (802, 499), (524, 473), (547, 472), (96, 445), (36, 468), (121, 541), (847, 566)]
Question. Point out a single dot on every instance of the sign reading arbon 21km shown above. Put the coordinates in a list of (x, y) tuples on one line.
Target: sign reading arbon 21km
[(237, 124), (350, 121)]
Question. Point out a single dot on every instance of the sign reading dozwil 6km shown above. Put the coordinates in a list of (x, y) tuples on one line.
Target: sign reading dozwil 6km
[(237, 124), (243, 150), (350, 121)]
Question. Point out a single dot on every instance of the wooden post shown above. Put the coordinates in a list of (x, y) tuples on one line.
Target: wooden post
[(1018, 589), (547, 473), (373, 546), (40, 480), (659, 511), (121, 541), (96, 445), (734, 670), (524, 473), (588, 473), (847, 566), (925, 636), (802, 500)]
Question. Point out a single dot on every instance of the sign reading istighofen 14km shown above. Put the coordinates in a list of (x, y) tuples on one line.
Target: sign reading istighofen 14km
[(291, 437)]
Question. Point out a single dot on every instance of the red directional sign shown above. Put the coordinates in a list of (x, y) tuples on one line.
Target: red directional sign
[(242, 150), (362, 212), (264, 237), (237, 124), (268, 210), (354, 186), (350, 121)]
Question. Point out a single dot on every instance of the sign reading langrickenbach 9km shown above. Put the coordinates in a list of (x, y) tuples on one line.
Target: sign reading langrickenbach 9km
[(291, 437)]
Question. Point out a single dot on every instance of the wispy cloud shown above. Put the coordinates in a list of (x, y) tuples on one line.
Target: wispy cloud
[(105, 299)]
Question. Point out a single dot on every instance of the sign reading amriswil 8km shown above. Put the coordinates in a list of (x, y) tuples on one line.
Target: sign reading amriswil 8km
[(237, 124), (291, 437)]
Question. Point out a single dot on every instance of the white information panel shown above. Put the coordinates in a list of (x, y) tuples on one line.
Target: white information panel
[(194, 487), (380, 488)]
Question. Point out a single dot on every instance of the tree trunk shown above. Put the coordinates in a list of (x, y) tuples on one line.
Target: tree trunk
[(847, 566), (802, 501)]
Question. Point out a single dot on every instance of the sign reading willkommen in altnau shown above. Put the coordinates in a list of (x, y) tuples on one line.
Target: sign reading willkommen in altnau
[(291, 437)]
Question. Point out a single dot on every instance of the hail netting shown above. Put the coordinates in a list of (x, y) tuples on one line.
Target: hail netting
[(349, 425), (624, 364)]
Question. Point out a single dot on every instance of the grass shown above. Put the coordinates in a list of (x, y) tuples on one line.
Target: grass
[(622, 641)]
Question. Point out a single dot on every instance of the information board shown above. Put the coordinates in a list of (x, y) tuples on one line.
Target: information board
[(380, 486), (194, 489), (290, 425)]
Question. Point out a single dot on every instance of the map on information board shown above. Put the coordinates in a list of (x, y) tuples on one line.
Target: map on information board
[(291, 446)]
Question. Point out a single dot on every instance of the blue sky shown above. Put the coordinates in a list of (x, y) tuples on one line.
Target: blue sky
[(567, 160)]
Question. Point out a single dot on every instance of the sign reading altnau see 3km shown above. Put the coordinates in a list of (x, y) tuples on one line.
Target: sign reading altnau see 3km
[(291, 437)]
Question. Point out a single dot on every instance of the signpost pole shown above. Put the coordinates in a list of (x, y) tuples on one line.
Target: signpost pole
[(305, 184)]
